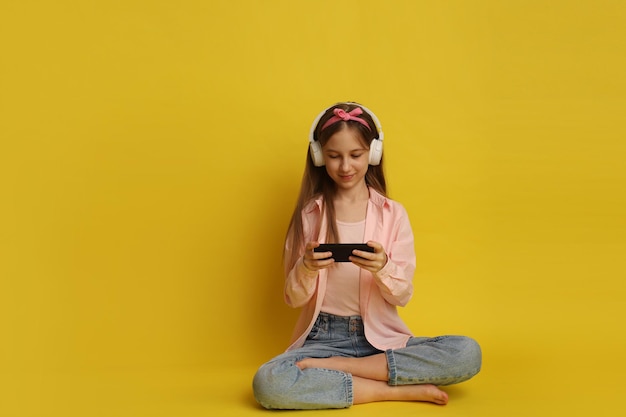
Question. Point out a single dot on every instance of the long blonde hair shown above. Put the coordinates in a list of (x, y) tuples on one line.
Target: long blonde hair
[(316, 182)]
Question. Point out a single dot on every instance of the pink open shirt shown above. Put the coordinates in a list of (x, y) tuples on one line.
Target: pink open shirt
[(387, 223)]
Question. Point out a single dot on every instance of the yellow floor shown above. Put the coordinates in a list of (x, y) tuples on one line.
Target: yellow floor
[(515, 381)]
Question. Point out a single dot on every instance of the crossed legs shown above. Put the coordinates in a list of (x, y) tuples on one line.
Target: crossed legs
[(319, 376)]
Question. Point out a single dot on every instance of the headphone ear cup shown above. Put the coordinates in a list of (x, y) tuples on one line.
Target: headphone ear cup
[(376, 152), (316, 154)]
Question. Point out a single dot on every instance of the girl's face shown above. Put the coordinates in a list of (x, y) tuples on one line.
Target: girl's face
[(347, 158)]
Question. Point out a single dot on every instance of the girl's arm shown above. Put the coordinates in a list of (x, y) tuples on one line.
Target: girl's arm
[(300, 280), (393, 267), (300, 284), (395, 279)]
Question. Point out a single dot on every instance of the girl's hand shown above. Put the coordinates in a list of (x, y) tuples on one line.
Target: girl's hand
[(314, 261), (372, 262)]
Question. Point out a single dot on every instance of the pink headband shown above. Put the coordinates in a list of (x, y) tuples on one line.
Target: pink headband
[(343, 115)]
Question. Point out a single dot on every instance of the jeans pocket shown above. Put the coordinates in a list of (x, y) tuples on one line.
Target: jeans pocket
[(319, 331)]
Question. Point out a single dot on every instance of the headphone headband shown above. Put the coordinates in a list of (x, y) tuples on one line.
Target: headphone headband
[(379, 128)]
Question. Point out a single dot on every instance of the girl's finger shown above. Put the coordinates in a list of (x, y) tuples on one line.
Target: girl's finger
[(322, 255), (363, 254)]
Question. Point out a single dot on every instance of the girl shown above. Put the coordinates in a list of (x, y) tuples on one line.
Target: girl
[(349, 345)]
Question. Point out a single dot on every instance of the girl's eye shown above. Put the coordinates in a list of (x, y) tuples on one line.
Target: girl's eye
[(357, 155), (333, 156)]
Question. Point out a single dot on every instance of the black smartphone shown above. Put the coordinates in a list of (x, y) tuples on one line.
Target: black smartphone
[(341, 251)]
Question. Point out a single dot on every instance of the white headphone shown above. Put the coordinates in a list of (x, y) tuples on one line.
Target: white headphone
[(376, 147)]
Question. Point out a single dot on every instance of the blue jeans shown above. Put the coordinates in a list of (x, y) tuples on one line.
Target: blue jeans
[(280, 384)]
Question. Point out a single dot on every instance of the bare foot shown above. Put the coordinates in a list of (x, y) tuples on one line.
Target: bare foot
[(370, 367), (428, 393), (334, 362), (366, 391)]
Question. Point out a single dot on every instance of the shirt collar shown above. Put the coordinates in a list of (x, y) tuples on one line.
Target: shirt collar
[(375, 197)]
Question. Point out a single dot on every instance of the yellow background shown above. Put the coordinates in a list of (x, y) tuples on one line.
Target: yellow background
[(151, 153)]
